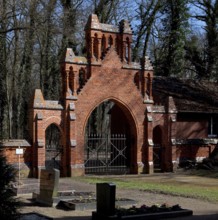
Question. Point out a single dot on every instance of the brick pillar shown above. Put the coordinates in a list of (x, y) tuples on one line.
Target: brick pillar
[(72, 144), (74, 83), (145, 87), (76, 163), (92, 49), (34, 146), (106, 43), (129, 53), (150, 86), (172, 112), (67, 82), (173, 138), (99, 49), (39, 160), (124, 51), (149, 166)]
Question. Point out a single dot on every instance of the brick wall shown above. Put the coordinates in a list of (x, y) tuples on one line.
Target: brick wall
[(193, 152), (22, 162)]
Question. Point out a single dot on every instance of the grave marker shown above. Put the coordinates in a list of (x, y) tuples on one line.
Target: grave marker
[(49, 182), (106, 193)]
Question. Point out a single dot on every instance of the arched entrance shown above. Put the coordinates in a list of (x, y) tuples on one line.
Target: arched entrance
[(53, 147), (110, 140), (157, 149), (122, 143)]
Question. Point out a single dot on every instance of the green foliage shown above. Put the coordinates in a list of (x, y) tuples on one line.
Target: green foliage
[(172, 39), (207, 55), (8, 204), (196, 56)]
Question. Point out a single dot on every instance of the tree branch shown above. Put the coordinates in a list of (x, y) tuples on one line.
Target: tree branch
[(13, 29)]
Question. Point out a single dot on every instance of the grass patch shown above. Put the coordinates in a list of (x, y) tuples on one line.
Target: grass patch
[(208, 193)]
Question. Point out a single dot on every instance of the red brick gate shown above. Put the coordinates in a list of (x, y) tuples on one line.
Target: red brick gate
[(107, 73)]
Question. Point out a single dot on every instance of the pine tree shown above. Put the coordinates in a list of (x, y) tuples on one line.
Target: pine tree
[(205, 56), (8, 203), (173, 34)]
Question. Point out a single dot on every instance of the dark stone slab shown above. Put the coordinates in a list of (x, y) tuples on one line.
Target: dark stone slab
[(105, 194), (72, 205), (152, 216), (34, 216), (89, 204)]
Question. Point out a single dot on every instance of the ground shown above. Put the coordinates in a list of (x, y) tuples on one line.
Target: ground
[(202, 209)]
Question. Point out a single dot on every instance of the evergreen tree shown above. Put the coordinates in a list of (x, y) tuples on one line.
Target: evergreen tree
[(8, 204), (175, 16), (204, 57)]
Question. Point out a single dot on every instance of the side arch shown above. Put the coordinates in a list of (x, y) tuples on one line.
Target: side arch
[(53, 147), (53, 120), (158, 149), (40, 150)]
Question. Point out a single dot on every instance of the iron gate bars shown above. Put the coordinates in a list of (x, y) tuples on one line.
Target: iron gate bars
[(106, 154), (157, 152), (53, 156)]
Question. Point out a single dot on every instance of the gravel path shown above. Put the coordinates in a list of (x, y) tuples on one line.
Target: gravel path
[(201, 209)]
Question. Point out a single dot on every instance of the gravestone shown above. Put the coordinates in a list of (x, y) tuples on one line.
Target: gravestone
[(106, 195), (49, 182)]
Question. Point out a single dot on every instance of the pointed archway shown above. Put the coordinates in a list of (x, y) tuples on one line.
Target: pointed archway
[(105, 74), (110, 140), (53, 147)]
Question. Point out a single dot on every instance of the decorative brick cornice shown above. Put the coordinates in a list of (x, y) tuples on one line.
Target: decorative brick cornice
[(40, 143), (173, 118), (39, 116), (204, 141), (159, 109), (148, 108), (150, 142), (71, 97), (73, 143), (72, 116), (149, 117), (71, 106), (148, 101)]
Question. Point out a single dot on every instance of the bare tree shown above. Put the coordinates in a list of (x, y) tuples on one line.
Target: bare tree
[(3, 67), (146, 15)]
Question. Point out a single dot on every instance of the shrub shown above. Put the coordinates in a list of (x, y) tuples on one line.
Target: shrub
[(8, 202)]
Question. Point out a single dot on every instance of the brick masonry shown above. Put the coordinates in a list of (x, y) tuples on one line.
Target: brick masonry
[(107, 73)]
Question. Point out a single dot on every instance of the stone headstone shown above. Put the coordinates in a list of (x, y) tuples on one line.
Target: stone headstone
[(105, 195), (49, 182)]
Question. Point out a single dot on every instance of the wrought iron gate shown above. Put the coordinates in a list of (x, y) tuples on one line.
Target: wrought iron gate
[(157, 154), (106, 154), (53, 157)]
